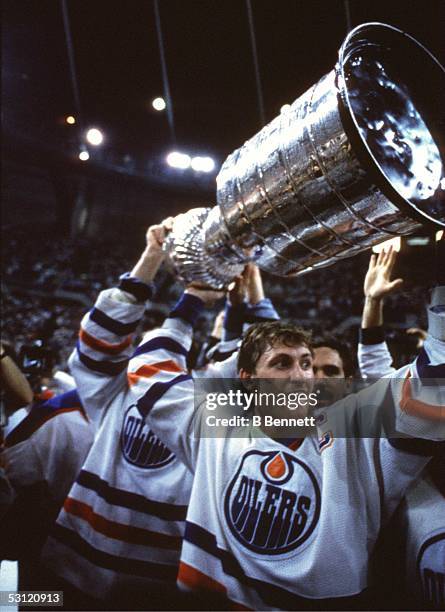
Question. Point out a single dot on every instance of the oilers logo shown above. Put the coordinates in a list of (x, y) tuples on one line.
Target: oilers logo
[(139, 444), (272, 504)]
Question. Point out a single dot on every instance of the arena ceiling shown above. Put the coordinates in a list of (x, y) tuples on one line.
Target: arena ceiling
[(209, 62)]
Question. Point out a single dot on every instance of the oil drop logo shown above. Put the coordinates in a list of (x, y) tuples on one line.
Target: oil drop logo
[(272, 503)]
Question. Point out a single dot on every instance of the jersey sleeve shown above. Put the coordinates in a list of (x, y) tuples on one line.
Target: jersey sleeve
[(235, 317), (161, 384), (99, 362), (374, 358), (368, 421), (49, 446)]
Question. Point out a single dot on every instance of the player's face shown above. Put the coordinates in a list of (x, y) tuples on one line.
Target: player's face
[(328, 369), (327, 363), (285, 362)]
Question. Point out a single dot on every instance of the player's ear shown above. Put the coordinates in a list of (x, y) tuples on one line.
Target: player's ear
[(247, 380)]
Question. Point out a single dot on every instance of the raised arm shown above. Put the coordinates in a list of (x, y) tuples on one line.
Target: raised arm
[(374, 357), (163, 389), (99, 362)]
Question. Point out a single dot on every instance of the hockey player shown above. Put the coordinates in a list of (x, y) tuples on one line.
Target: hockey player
[(117, 540), (421, 521), (418, 529), (275, 525), (239, 541), (42, 456)]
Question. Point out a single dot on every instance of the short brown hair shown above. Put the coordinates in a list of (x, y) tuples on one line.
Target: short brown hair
[(262, 336)]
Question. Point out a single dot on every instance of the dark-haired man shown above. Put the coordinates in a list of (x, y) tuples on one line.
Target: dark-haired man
[(332, 359)]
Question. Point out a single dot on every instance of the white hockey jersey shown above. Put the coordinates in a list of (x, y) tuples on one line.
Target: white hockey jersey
[(422, 518), (49, 445), (43, 455), (122, 523), (272, 526)]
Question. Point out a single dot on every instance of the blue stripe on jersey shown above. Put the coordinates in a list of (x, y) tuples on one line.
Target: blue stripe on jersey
[(275, 596), (188, 308), (156, 391), (40, 412), (133, 501), (112, 368), (135, 567), (418, 446), (159, 343), (426, 370), (111, 325)]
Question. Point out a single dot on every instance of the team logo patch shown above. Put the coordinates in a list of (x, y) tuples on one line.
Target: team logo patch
[(325, 441), (431, 569), (272, 504), (140, 446)]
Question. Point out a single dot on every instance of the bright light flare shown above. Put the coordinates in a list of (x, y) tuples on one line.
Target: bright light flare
[(95, 137), (70, 120), (439, 235), (203, 164), (84, 156), (159, 104), (181, 161), (394, 242)]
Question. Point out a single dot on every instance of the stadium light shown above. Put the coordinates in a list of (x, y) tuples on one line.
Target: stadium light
[(439, 235), (70, 120), (203, 164), (178, 160), (95, 137), (394, 242), (84, 156), (159, 104)]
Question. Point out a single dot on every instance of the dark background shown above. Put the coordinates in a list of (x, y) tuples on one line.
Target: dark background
[(209, 62), (70, 227), (118, 70)]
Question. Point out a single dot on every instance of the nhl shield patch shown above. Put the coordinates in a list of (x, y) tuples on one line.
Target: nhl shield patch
[(139, 445), (272, 504)]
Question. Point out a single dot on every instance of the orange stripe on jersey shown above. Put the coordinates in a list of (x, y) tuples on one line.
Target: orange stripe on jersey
[(119, 531), (197, 581), (148, 370), (102, 346), (415, 407)]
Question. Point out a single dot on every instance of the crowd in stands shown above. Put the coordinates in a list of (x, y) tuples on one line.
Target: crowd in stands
[(49, 281)]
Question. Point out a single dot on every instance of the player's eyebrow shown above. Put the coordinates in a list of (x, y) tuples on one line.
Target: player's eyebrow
[(279, 357)]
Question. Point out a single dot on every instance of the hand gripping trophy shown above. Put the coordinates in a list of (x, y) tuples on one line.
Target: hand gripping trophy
[(357, 159)]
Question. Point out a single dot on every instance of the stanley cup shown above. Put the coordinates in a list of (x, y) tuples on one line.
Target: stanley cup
[(357, 159)]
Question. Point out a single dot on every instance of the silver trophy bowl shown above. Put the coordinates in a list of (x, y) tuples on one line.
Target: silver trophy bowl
[(356, 160)]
